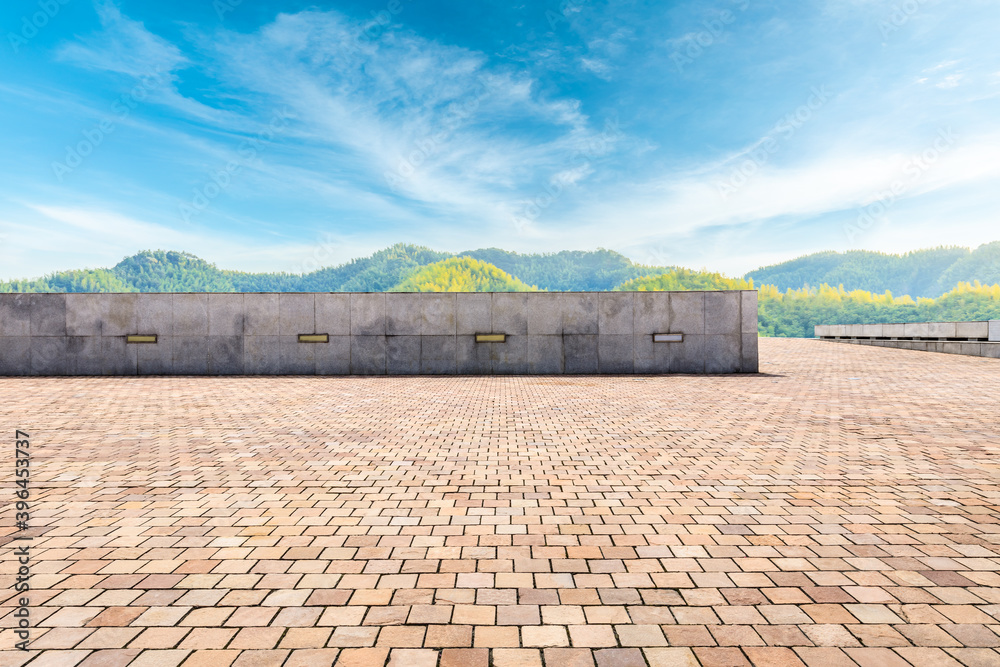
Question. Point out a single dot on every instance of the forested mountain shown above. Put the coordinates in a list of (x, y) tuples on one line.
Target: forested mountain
[(982, 264), (378, 273), (917, 273), (170, 271), (461, 274), (568, 271), (683, 279)]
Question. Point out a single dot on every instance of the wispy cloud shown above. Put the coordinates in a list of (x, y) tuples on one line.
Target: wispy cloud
[(444, 136), (123, 45)]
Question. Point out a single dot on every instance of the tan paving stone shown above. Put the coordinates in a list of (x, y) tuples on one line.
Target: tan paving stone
[(164, 658), (840, 506), (211, 658), (261, 659)]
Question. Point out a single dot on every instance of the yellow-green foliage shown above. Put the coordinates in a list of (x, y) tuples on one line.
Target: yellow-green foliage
[(684, 279), (796, 312), (461, 274)]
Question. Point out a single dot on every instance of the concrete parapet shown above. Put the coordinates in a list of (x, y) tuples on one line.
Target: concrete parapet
[(980, 339), (378, 333)]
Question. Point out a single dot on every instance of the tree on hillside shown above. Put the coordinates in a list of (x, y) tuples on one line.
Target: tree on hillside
[(461, 274), (684, 279)]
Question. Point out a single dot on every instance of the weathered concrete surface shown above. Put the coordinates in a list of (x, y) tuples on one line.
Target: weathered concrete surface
[(977, 339), (378, 333)]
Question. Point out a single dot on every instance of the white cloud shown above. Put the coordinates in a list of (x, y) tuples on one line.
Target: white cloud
[(124, 46)]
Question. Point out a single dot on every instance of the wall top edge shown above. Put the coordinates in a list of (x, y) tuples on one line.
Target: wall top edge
[(881, 324)]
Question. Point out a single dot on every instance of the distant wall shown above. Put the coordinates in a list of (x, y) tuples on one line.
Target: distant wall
[(979, 339), (378, 333)]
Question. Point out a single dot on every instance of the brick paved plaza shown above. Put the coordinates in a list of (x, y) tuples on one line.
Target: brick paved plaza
[(840, 508)]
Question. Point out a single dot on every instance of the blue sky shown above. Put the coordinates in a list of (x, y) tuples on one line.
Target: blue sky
[(724, 134)]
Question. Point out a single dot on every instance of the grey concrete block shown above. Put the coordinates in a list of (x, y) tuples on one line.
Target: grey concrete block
[(991, 350), (48, 355), (952, 348), (190, 318), (154, 315), (994, 331), (652, 313), (723, 353), (615, 353), (84, 313), (48, 315), (871, 330), (403, 314), (473, 313), (545, 355), (262, 354), (942, 329), (580, 353), (580, 312), (545, 315), (722, 313), (972, 349), (687, 312), (15, 314), (190, 353), (438, 314), (155, 358), (748, 312), (510, 357), (368, 315), (296, 314), (83, 355), (225, 315), (118, 357), (616, 314), (750, 356), (297, 358), (650, 357), (260, 317), (334, 358), (510, 313), (367, 353), (689, 355), (402, 355), (225, 354), (333, 314), (120, 314), (438, 355), (15, 355), (472, 358), (894, 330), (973, 329)]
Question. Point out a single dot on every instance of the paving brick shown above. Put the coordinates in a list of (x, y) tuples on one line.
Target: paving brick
[(834, 509)]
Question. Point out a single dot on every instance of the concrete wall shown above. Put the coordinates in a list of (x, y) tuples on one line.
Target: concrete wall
[(377, 333), (979, 339), (984, 331)]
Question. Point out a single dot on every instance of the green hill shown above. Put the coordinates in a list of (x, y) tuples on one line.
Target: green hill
[(461, 274), (172, 271), (567, 271), (919, 273), (684, 279), (982, 264)]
